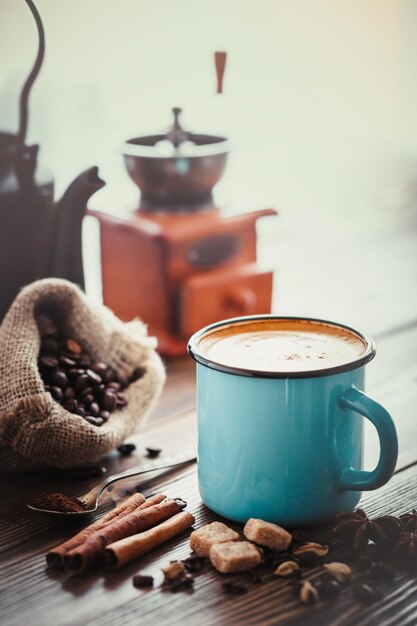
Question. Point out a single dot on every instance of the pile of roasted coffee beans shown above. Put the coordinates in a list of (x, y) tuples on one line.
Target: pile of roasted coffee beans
[(83, 386)]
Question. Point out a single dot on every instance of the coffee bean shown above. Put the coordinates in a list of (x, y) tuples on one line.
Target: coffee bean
[(49, 345), (57, 393), (70, 405), (105, 415), (254, 578), (107, 375), (89, 471), (66, 362), (94, 377), (88, 391), (73, 346), (88, 399), (195, 563), (49, 362), (109, 400), (95, 421), (84, 362), (328, 589), (74, 372), (178, 584), (234, 589), (126, 449), (121, 399), (153, 452), (122, 380), (142, 581), (69, 393), (81, 382), (59, 379), (94, 409), (98, 367), (115, 386), (80, 411)]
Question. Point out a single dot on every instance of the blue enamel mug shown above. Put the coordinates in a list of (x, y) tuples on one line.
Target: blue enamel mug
[(280, 427)]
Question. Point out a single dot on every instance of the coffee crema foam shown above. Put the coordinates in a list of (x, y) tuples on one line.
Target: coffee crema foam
[(282, 346)]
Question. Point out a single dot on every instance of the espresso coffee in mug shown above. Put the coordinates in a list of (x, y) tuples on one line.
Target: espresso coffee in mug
[(280, 419)]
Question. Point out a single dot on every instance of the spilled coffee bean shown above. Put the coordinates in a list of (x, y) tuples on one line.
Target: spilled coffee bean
[(253, 577), (234, 589), (181, 584), (195, 563), (328, 589), (141, 581), (126, 449), (153, 452), (88, 471)]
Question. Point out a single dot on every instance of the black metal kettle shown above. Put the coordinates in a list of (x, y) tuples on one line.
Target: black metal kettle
[(38, 238)]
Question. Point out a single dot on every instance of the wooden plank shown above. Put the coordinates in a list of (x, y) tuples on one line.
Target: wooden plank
[(30, 593)]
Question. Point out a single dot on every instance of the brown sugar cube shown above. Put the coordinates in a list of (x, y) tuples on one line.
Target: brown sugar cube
[(235, 556), (267, 534), (203, 538)]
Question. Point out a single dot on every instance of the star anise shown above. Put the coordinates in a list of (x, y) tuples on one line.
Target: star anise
[(357, 529), (409, 521)]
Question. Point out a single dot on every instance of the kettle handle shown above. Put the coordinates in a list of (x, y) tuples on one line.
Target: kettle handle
[(66, 253)]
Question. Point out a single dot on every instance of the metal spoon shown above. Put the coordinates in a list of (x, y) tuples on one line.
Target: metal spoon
[(91, 498)]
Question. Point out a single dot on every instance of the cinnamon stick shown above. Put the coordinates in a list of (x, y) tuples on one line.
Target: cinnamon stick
[(144, 517), (125, 550), (55, 557)]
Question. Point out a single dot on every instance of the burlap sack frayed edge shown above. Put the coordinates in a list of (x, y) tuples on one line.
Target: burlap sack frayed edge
[(37, 432)]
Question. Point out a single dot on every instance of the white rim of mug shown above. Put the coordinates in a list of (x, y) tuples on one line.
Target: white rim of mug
[(195, 353)]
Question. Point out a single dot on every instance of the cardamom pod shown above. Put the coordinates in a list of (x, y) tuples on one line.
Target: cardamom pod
[(310, 546), (287, 568), (340, 571), (308, 593)]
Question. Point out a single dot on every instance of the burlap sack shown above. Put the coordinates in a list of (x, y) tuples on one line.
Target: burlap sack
[(36, 431)]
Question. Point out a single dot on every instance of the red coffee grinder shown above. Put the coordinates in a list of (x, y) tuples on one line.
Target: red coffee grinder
[(175, 261)]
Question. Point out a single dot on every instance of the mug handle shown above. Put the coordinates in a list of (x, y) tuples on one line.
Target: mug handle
[(359, 480)]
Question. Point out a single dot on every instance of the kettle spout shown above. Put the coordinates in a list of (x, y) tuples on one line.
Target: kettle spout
[(66, 243)]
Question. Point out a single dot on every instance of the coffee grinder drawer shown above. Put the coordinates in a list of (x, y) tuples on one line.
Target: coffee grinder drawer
[(212, 296)]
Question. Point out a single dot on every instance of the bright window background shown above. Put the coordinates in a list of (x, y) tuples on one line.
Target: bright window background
[(320, 102)]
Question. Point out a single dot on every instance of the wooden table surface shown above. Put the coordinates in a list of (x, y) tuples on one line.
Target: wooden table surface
[(30, 593)]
